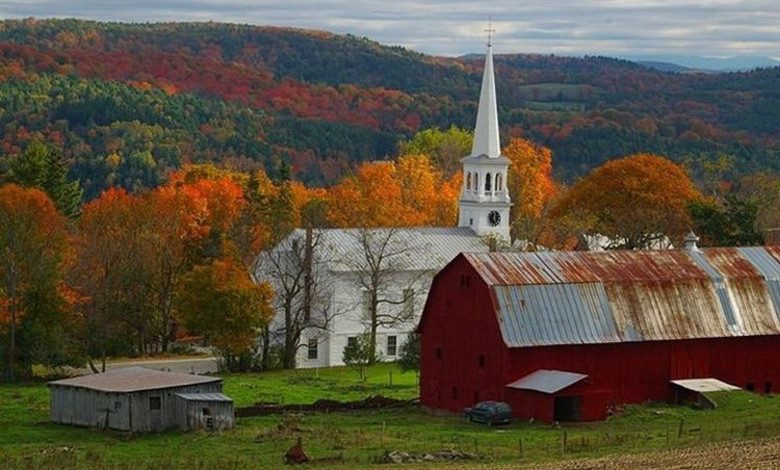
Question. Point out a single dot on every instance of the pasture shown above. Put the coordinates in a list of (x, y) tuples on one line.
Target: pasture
[(358, 439)]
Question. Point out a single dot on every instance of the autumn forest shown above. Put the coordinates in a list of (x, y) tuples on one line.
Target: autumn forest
[(143, 167)]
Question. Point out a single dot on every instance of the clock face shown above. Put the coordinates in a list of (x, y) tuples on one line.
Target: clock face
[(494, 218)]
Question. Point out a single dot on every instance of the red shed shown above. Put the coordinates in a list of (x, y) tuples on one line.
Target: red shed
[(567, 335)]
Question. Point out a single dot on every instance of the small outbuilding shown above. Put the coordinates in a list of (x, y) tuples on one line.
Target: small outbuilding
[(141, 400)]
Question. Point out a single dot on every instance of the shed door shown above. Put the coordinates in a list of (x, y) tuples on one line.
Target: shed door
[(567, 408)]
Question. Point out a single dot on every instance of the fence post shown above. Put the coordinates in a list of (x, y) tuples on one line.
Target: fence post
[(680, 429), (563, 442), (520, 446)]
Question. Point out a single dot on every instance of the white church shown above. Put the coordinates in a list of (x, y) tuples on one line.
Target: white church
[(333, 285)]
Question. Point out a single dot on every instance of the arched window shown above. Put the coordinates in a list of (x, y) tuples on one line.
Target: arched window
[(476, 182), (468, 180), (499, 182), (487, 182)]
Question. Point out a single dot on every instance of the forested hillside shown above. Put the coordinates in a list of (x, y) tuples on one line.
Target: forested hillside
[(127, 103)]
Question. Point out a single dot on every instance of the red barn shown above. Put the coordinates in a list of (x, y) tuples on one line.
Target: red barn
[(566, 335)]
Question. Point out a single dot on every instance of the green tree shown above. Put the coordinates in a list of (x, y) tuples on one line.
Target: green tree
[(444, 148), (359, 354), (734, 223), (43, 168), (410, 353)]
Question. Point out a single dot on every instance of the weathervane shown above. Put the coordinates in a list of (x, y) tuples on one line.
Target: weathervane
[(490, 29)]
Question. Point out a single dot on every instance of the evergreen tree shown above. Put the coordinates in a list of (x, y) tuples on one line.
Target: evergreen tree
[(43, 168)]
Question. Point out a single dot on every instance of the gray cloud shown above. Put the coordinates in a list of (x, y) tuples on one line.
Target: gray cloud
[(706, 27)]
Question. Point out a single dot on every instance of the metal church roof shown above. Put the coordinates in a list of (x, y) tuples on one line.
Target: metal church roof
[(547, 381), (557, 298), (414, 249), (134, 379)]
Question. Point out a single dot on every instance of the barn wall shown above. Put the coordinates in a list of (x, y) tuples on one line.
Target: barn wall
[(459, 322)]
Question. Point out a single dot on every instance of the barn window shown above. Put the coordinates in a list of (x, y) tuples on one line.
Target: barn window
[(392, 345), (767, 387), (312, 348), (206, 412), (750, 387), (482, 361), (438, 353), (155, 403)]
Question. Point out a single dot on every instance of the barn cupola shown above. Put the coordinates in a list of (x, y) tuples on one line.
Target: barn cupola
[(484, 199)]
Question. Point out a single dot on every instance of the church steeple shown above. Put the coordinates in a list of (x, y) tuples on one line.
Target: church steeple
[(484, 199), (486, 141)]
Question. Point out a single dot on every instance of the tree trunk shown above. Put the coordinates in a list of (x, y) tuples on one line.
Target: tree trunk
[(265, 363), (372, 332)]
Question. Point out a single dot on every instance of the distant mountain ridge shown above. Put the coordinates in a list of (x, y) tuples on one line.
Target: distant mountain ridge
[(127, 102), (708, 64)]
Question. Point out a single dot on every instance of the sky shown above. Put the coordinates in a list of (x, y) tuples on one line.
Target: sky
[(718, 28)]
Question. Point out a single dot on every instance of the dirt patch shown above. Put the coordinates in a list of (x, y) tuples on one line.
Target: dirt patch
[(375, 402)]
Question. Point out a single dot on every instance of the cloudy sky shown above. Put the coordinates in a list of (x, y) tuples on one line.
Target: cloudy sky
[(570, 27)]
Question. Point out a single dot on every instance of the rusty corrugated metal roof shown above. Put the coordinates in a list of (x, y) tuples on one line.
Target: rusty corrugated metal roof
[(605, 297), (133, 379)]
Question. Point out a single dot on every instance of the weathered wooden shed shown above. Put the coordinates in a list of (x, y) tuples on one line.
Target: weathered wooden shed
[(141, 400)]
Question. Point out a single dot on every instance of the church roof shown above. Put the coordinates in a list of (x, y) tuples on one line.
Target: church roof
[(486, 141), (412, 249)]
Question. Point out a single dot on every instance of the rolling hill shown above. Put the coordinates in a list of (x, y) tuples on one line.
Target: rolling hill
[(127, 102)]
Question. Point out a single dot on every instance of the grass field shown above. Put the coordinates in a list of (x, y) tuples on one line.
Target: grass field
[(28, 440)]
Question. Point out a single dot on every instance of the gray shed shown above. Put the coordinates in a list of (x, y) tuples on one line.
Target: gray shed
[(208, 411), (139, 400)]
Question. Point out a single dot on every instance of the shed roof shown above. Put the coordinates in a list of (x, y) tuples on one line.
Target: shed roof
[(134, 379), (556, 298), (547, 381), (204, 397), (704, 385)]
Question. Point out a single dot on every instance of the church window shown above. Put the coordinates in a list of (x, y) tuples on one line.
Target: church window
[(499, 182), (312, 348), (487, 182), (476, 181), (408, 302), (468, 181)]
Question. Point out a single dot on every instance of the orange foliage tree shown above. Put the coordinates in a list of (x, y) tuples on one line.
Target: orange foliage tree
[(406, 193), (635, 200), (221, 302), (33, 243)]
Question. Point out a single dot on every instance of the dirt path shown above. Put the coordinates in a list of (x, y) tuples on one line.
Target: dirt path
[(761, 454), (195, 365)]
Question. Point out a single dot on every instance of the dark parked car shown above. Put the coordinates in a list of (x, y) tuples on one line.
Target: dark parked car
[(489, 412)]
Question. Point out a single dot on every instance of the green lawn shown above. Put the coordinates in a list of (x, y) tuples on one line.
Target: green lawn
[(28, 440)]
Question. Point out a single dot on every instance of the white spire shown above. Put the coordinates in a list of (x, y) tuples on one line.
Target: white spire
[(486, 130)]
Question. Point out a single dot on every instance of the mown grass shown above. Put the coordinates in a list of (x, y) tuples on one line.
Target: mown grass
[(28, 440)]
